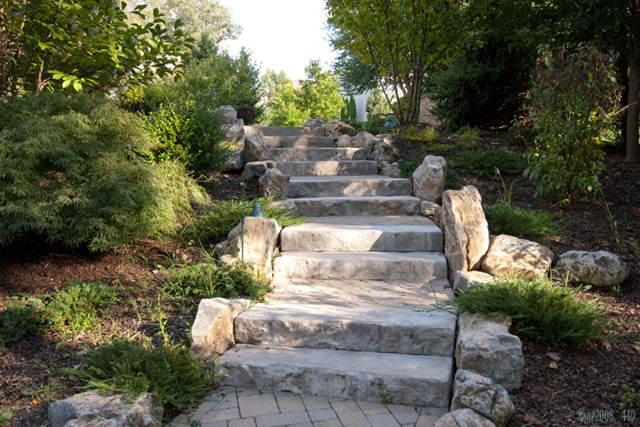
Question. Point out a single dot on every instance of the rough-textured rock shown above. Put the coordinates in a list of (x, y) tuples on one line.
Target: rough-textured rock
[(429, 209), (235, 162), (429, 179), (228, 114), (343, 141), (382, 149), (284, 205), (258, 169), (328, 168), (255, 148), (314, 122), (337, 127), (212, 331), (93, 408), (332, 186), (463, 418), (486, 347), (358, 205), (391, 170), (260, 242), (466, 232), (600, 268), (464, 281), (483, 395), (274, 184), (363, 140), (235, 130), (512, 256)]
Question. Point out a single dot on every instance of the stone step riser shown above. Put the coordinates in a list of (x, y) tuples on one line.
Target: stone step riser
[(317, 154), (299, 141), (407, 266), (358, 206), (364, 187), (375, 329), (342, 239), (284, 131), (329, 168)]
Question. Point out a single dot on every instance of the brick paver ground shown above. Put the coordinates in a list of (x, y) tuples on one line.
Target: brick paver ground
[(231, 407)]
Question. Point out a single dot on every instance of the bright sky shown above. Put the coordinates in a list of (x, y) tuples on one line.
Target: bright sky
[(282, 34)]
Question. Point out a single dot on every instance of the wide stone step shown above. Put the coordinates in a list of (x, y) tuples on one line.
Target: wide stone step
[(361, 234), (328, 186), (329, 167), (361, 205), (402, 378), (317, 154), (284, 130), (304, 141), (418, 266), (378, 329)]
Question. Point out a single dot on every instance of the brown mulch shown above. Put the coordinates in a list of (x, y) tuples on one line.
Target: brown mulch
[(585, 381)]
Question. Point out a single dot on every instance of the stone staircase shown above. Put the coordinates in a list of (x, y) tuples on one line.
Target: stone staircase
[(354, 312)]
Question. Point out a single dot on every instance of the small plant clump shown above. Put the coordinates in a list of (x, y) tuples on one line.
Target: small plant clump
[(505, 218), (540, 310), (486, 162), (21, 319), (415, 133)]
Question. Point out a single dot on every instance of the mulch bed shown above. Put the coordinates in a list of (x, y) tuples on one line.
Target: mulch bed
[(585, 381)]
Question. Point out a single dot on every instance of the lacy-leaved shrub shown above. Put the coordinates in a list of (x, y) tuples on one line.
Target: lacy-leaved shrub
[(80, 170)]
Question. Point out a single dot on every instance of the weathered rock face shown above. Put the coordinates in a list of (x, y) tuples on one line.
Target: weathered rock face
[(431, 210), (363, 140), (463, 418), (314, 122), (274, 184), (235, 130), (285, 205), (466, 231), (600, 268), (391, 170), (512, 256), (228, 114), (235, 162), (343, 141), (93, 408), (253, 169), (483, 395), (382, 149), (486, 347), (429, 179), (337, 127), (255, 148), (464, 281), (212, 331)]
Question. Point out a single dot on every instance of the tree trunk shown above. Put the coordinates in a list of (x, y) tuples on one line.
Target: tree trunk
[(633, 147)]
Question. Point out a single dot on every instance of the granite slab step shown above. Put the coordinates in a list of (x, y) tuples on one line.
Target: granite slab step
[(361, 205), (418, 266), (317, 154), (328, 167), (329, 186), (405, 379), (361, 234), (303, 141), (377, 329), (284, 130)]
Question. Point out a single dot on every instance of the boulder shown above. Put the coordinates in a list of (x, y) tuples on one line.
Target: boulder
[(253, 169), (382, 149), (235, 130), (93, 408), (255, 148), (512, 256), (600, 268), (463, 418), (391, 170), (228, 114), (235, 162), (363, 140), (274, 184), (314, 122), (464, 281), (431, 210), (343, 141), (288, 206), (337, 127), (466, 232), (429, 179), (483, 395), (486, 347), (212, 332)]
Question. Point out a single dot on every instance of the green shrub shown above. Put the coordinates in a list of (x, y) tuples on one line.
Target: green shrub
[(540, 310), (415, 133), (452, 181), (5, 416), (78, 171), (209, 280), (504, 218), (21, 319), (486, 162), (176, 379), (77, 307)]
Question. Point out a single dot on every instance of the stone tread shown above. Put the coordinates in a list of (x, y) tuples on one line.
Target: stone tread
[(357, 205), (319, 154), (302, 141), (328, 167), (406, 379), (284, 130), (359, 185), (377, 329)]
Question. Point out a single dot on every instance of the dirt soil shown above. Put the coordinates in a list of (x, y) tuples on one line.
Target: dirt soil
[(580, 384)]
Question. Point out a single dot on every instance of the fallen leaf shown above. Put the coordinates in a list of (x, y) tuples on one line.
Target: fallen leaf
[(553, 365), (35, 401), (554, 356)]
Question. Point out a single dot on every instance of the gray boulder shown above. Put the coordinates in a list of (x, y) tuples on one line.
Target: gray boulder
[(391, 170), (512, 256), (274, 184), (314, 122), (212, 332), (336, 127), (235, 131), (483, 395), (600, 268), (362, 140), (429, 179), (228, 114), (463, 418), (255, 148), (257, 169), (343, 141), (464, 281), (235, 162), (382, 149)]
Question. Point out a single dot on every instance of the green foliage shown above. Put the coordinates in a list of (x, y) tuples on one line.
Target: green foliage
[(20, 319), (282, 107), (377, 104), (226, 214), (354, 75), (374, 125), (629, 397), (80, 45), (504, 218), (78, 171), (5, 416), (572, 105), (320, 93), (415, 133), (348, 113), (77, 307), (176, 379), (209, 280), (487, 162), (541, 310), (452, 181)]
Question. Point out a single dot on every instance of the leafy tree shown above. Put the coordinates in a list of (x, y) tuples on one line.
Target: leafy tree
[(320, 94), (89, 44), (354, 75), (402, 40), (282, 106), (376, 104)]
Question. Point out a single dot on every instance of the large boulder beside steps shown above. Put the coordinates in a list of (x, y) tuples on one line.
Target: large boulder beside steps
[(429, 179), (512, 256), (212, 332), (600, 268)]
